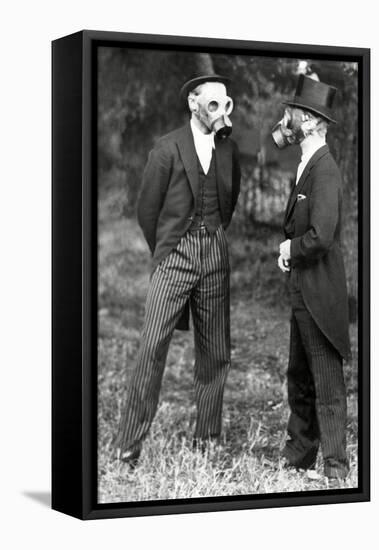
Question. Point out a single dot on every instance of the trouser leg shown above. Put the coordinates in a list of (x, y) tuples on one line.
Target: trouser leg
[(211, 316), (325, 364), (168, 293), (301, 449)]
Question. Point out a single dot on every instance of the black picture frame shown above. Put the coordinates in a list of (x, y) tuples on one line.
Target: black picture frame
[(74, 273)]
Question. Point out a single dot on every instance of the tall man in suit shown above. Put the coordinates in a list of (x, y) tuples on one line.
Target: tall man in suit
[(312, 255), (189, 191)]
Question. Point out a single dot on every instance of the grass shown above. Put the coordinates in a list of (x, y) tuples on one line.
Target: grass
[(255, 408)]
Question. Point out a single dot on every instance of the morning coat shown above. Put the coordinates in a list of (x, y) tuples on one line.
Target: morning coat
[(313, 223), (170, 184)]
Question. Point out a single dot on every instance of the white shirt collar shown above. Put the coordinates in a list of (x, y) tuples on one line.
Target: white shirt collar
[(204, 144), (305, 158), (200, 137)]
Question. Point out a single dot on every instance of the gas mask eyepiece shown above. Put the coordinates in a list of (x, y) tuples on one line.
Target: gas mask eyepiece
[(282, 132), (281, 135), (214, 107), (295, 126), (222, 126)]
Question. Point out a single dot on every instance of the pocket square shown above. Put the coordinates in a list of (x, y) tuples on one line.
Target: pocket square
[(301, 197)]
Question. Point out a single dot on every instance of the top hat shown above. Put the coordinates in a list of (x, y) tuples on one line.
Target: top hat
[(194, 82), (314, 96)]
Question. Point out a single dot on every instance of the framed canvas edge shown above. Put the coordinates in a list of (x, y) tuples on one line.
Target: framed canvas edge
[(67, 319), (90, 509)]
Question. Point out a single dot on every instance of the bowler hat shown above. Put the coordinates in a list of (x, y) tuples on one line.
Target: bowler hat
[(196, 81), (314, 96)]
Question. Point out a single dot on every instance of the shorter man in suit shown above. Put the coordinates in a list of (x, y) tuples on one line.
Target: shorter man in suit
[(189, 191), (312, 255)]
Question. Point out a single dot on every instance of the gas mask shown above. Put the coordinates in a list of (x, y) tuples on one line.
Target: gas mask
[(294, 127), (212, 107)]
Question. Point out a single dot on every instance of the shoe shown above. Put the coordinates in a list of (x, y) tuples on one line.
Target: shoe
[(306, 461), (309, 467), (335, 482), (313, 475), (204, 445), (285, 463), (131, 457)]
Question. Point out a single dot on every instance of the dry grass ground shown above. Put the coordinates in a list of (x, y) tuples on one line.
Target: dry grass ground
[(255, 408)]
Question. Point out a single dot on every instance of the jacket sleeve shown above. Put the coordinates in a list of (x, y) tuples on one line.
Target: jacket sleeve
[(236, 176), (323, 219), (153, 190)]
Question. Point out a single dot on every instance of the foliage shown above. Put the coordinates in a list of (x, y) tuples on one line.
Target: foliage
[(138, 101)]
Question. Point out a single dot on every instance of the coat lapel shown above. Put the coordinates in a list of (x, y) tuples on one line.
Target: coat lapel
[(223, 160), (189, 158), (297, 188)]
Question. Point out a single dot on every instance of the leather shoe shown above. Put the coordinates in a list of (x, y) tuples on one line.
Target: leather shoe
[(203, 445), (335, 482), (306, 462), (131, 457), (286, 464)]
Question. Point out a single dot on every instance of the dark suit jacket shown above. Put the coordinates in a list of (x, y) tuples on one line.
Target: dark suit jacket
[(314, 225), (170, 186)]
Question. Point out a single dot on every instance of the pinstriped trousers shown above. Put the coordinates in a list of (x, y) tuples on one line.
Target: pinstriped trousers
[(316, 394), (198, 271)]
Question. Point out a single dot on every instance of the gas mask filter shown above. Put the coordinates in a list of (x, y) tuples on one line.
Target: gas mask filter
[(212, 106), (295, 126)]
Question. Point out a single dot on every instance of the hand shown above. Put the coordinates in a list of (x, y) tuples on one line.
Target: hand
[(285, 249), (283, 264)]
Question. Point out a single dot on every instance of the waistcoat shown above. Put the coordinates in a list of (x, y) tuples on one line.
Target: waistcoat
[(207, 209)]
